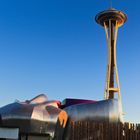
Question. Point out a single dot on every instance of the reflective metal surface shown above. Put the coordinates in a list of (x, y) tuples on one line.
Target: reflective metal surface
[(101, 111), (40, 116), (36, 116)]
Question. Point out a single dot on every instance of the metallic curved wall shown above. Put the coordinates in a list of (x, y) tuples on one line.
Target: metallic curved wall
[(42, 117), (33, 117), (101, 111), (106, 111)]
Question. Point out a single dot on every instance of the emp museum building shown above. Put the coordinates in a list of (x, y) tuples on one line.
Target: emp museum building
[(42, 119)]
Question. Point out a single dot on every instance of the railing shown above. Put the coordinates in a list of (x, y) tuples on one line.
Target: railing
[(101, 131)]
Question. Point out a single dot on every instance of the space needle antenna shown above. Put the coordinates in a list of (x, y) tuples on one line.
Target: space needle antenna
[(110, 4)]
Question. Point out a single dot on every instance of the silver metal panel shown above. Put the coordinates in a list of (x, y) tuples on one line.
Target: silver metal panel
[(37, 116), (42, 117), (102, 111), (105, 111)]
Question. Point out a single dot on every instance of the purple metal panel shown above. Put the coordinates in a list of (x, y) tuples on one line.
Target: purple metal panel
[(70, 101)]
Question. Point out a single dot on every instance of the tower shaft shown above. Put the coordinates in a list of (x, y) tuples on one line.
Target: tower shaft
[(112, 65), (111, 29)]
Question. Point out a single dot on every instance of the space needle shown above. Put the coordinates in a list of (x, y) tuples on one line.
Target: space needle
[(111, 20)]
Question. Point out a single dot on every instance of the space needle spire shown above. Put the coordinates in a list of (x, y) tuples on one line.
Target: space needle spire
[(111, 20)]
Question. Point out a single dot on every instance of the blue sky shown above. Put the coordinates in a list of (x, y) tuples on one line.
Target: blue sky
[(56, 48)]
